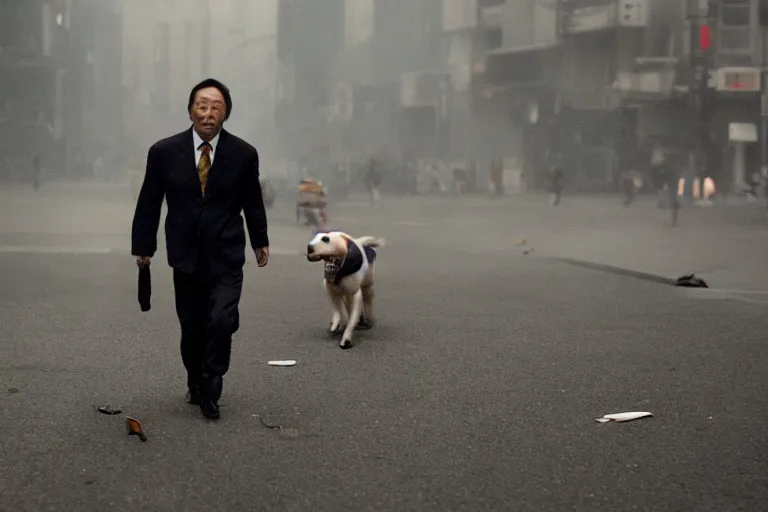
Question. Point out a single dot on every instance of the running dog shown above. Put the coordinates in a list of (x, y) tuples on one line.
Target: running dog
[(349, 279)]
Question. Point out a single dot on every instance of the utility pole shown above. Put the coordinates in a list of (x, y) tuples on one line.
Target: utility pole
[(564, 20), (764, 109), (700, 94), (763, 10)]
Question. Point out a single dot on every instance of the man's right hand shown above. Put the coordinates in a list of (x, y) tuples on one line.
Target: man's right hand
[(143, 261)]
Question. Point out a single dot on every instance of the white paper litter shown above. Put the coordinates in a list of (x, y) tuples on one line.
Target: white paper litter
[(623, 416), (282, 363)]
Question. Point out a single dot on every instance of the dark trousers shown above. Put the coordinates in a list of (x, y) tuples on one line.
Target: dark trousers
[(208, 313)]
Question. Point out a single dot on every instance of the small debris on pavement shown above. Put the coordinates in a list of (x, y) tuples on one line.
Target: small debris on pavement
[(287, 362), (623, 416), (267, 425), (107, 409), (691, 281), (529, 251), (134, 429), (13, 391), (521, 241)]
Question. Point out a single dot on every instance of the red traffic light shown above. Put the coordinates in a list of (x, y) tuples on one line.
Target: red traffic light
[(705, 38)]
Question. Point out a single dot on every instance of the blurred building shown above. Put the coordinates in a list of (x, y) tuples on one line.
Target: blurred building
[(34, 59), (359, 77), (390, 70), (94, 87), (309, 38), (598, 84), (169, 45), (61, 85)]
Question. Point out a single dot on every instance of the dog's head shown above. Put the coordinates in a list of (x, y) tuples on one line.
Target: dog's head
[(328, 246)]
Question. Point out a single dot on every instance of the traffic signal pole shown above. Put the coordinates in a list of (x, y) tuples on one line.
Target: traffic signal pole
[(763, 9), (701, 98)]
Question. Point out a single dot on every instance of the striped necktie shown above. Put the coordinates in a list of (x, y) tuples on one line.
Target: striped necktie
[(204, 165)]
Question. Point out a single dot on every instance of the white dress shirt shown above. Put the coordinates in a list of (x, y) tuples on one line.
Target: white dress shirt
[(197, 140)]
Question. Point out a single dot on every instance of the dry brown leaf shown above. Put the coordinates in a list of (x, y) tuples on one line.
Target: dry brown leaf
[(134, 429)]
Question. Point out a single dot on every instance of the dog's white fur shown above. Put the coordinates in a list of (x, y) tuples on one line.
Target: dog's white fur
[(353, 296)]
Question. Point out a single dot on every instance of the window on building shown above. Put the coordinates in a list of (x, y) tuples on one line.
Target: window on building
[(494, 38), (734, 40), (735, 15), (734, 34)]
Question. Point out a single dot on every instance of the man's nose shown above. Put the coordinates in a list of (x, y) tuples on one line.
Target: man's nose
[(310, 249)]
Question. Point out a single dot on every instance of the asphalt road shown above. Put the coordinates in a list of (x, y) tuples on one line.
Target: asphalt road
[(478, 390)]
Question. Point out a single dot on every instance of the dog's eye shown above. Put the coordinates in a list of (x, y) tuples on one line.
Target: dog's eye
[(325, 239)]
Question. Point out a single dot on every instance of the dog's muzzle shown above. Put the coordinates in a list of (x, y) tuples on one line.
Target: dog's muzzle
[(311, 254)]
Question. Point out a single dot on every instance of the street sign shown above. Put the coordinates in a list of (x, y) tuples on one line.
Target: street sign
[(738, 80)]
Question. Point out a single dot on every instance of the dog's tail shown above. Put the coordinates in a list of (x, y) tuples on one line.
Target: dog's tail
[(370, 241)]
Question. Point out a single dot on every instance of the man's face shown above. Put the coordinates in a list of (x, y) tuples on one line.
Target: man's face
[(208, 112)]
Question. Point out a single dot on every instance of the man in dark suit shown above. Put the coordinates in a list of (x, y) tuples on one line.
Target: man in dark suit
[(207, 177)]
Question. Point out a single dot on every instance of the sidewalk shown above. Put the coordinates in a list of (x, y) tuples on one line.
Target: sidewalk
[(727, 247)]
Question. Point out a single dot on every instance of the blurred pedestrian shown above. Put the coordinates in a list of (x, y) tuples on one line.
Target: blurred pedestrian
[(555, 185), (668, 169), (373, 180), (628, 187)]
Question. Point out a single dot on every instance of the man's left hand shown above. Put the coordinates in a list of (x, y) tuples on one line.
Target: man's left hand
[(262, 256)]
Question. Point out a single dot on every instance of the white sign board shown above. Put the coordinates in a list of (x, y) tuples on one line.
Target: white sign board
[(633, 13), (738, 79), (742, 132)]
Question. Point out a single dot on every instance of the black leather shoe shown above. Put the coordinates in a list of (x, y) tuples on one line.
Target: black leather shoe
[(210, 394), (193, 396), (210, 410)]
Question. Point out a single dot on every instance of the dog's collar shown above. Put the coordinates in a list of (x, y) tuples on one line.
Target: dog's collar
[(339, 268), (332, 269)]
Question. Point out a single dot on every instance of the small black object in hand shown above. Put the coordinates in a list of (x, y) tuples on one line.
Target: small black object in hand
[(145, 288)]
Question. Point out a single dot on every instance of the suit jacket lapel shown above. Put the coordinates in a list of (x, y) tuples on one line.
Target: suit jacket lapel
[(221, 149), (187, 156), (219, 159)]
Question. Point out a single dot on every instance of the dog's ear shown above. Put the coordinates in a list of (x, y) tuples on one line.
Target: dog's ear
[(340, 245), (347, 239)]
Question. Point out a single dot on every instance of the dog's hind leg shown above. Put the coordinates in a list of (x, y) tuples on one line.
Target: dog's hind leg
[(366, 317), (354, 318)]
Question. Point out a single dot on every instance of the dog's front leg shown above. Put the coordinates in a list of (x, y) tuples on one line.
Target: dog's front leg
[(338, 315), (354, 318)]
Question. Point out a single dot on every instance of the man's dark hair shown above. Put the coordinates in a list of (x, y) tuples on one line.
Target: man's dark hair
[(212, 82)]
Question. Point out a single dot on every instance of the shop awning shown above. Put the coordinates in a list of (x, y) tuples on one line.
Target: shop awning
[(546, 45)]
